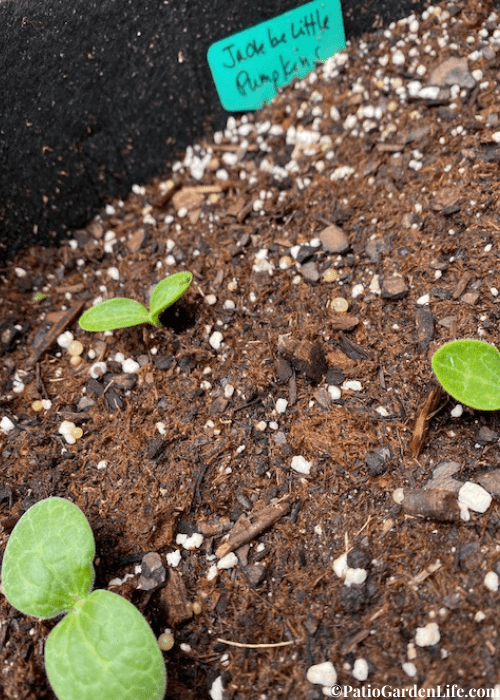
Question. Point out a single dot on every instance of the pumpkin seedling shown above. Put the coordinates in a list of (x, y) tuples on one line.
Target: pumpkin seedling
[(103, 647), (469, 370), (122, 312)]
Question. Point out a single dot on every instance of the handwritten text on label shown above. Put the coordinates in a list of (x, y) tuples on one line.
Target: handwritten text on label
[(249, 67)]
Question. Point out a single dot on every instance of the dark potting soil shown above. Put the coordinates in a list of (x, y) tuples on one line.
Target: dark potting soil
[(336, 238)]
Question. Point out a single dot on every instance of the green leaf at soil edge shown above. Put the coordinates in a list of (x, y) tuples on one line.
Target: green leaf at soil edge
[(112, 314), (105, 649), (469, 370), (47, 565), (167, 292)]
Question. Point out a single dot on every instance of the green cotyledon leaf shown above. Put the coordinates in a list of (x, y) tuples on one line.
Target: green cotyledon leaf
[(47, 565), (112, 314), (469, 370), (104, 649), (166, 292)]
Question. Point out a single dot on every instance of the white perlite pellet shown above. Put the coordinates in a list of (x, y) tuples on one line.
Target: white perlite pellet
[(334, 392), (98, 369), (217, 689), (409, 668), (342, 172), (491, 581), (228, 562), (174, 558), (340, 565), (398, 495), (352, 385), (473, 497), (65, 339), (322, 674), (66, 429), (130, 366), (357, 290), (281, 405), (360, 670), (189, 542), (216, 340), (114, 273), (17, 383), (398, 58), (6, 425), (427, 636), (354, 576), (301, 465), (350, 576), (212, 572)]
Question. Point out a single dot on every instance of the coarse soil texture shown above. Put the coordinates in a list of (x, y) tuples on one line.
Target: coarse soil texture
[(280, 442)]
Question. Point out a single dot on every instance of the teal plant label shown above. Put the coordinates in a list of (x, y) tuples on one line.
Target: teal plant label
[(249, 67)]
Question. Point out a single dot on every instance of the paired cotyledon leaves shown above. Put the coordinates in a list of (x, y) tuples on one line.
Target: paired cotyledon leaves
[(103, 647), (121, 312)]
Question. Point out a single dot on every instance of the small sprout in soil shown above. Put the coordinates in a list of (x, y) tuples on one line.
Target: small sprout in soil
[(39, 296), (122, 313), (469, 370), (103, 647)]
